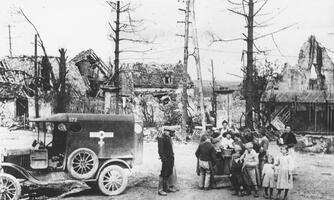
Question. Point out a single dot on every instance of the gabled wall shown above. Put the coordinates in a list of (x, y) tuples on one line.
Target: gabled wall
[(314, 66)]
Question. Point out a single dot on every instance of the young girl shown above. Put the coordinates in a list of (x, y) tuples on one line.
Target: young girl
[(268, 177), (284, 178)]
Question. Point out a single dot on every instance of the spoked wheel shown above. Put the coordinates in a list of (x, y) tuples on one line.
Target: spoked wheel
[(10, 188), (112, 180), (82, 163)]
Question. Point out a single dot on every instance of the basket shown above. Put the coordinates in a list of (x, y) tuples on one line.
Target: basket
[(227, 152)]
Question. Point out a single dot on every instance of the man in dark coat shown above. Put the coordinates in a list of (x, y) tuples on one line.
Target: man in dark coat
[(166, 154), (206, 156), (288, 137)]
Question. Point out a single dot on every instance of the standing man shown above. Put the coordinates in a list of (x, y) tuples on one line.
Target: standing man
[(289, 137), (206, 156), (166, 154)]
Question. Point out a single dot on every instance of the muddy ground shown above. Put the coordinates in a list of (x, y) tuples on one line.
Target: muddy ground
[(314, 180)]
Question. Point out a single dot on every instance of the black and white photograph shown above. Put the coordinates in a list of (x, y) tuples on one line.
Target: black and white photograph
[(167, 99)]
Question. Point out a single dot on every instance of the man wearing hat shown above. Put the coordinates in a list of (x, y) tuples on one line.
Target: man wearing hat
[(166, 154)]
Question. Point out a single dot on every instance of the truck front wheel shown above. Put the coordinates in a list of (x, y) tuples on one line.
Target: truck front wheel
[(10, 187)]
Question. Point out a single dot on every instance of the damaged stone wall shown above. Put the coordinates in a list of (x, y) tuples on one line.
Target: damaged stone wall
[(312, 57), (7, 112)]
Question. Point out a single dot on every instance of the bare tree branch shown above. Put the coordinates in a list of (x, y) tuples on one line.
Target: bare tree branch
[(126, 7), (264, 52), (36, 30), (112, 5), (215, 38), (134, 40), (112, 28), (234, 3), (272, 37), (238, 13), (261, 7), (274, 32), (135, 51), (112, 37)]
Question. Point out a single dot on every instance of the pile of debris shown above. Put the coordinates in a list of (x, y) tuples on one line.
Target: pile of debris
[(315, 144)]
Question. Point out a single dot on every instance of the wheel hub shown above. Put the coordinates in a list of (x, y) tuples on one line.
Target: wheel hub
[(83, 164)]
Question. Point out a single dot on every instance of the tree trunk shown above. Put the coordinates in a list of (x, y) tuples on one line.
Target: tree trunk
[(248, 86), (61, 94)]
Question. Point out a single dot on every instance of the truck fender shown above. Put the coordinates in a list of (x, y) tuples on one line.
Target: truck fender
[(115, 161), (21, 171)]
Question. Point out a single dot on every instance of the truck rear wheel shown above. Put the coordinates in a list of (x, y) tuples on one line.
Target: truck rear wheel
[(10, 188), (82, 163), (112, 180)]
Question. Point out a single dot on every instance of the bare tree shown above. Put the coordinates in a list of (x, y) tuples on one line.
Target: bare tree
[(58, 86), (46, 64), (124, 29), (251, 10)]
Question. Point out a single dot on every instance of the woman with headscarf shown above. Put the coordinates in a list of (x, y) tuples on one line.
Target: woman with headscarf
[(250, 170)]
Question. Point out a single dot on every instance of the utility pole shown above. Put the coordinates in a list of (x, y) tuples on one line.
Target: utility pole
[(198, 66), (36, 79), (248, 86), (116, 62), (10, 41), (185, 69), (214, 98)]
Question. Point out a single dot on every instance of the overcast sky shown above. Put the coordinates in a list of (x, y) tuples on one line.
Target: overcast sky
[(82, 24)]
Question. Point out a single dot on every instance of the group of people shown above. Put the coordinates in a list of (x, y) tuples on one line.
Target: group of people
[(252, 164)]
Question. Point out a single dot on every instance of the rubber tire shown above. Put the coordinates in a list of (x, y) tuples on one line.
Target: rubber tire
[(88, 175), (102, 174), (16, 184)]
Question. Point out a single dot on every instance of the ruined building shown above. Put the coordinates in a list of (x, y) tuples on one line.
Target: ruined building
[(17, 83), (304, 97)]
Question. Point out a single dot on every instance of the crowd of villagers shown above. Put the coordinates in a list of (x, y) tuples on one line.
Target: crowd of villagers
[(253, 166)]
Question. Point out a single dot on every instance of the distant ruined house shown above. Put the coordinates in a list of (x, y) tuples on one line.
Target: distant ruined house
[(156, 83), (141, 78), (304, 97), (93, 70), (17, 84)]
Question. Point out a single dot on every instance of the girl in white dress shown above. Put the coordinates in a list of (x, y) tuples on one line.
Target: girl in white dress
[(268, 177), (284, 177)]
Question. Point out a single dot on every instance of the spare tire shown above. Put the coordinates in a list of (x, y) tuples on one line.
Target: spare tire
[(82, 163)]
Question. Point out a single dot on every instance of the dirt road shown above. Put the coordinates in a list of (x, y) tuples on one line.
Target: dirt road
[(314, 180)]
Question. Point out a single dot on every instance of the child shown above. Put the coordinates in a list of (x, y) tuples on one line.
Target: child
[(236, 172), (268, 177), (284, 177), (206, 156)]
